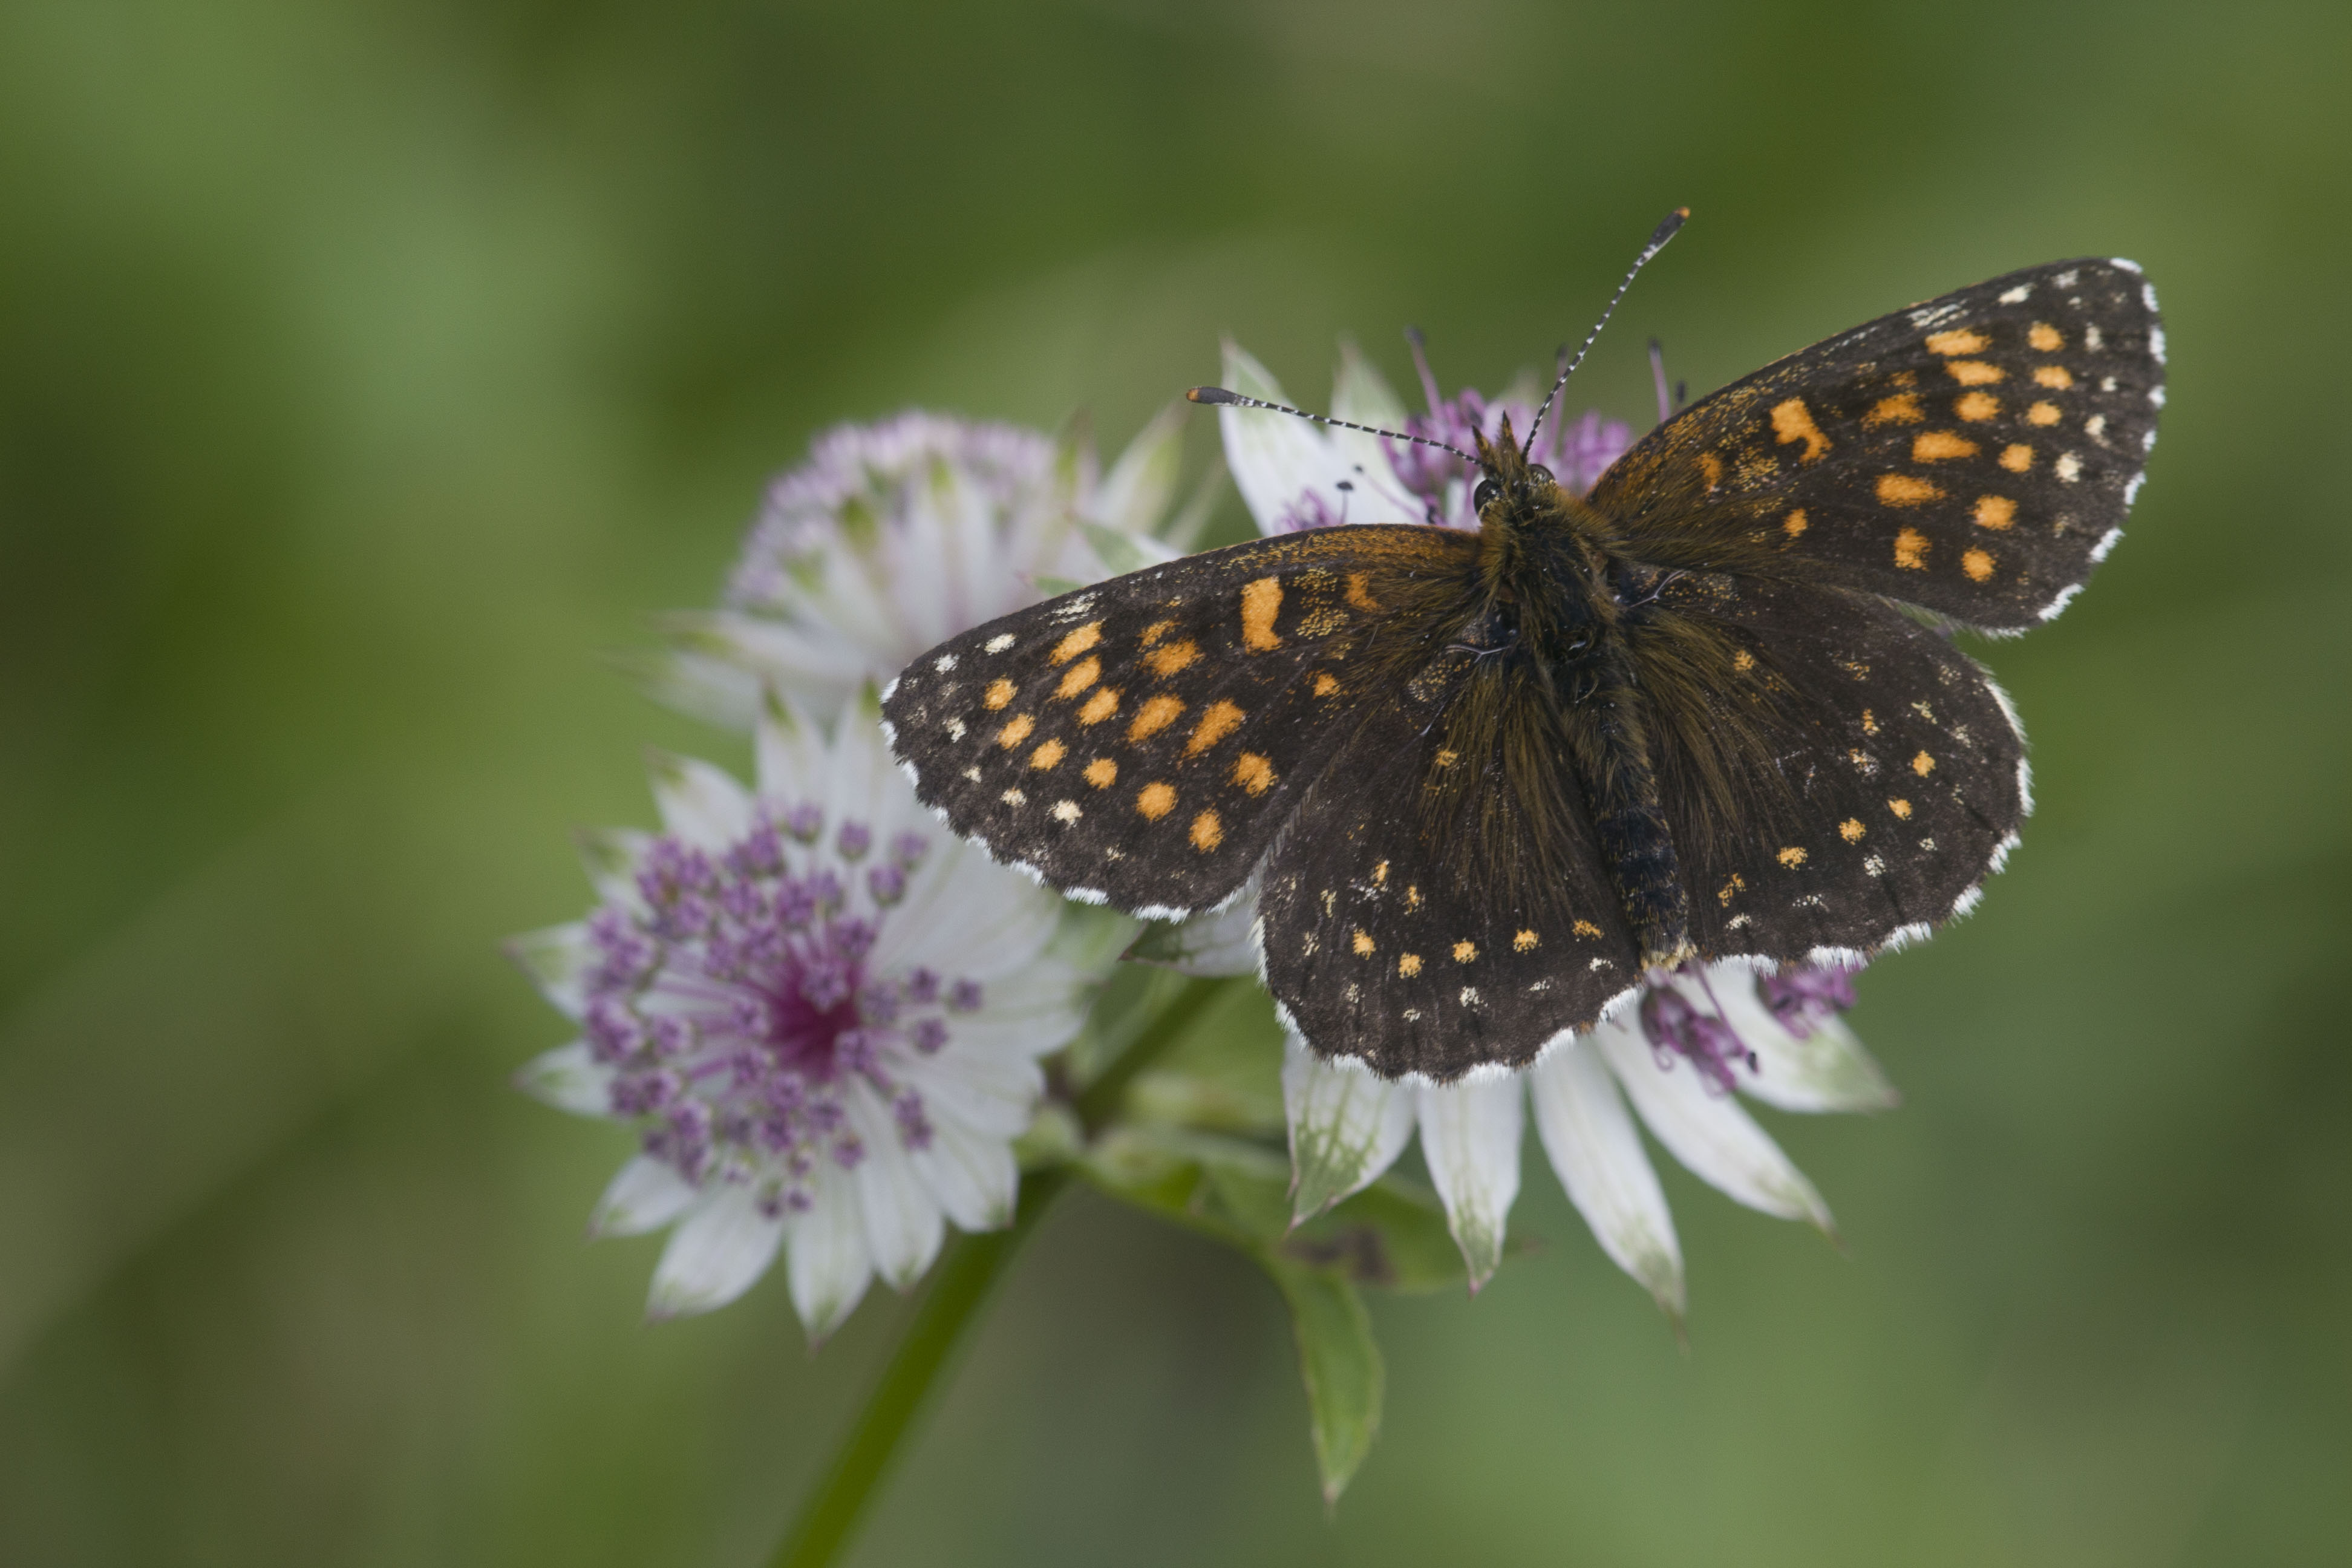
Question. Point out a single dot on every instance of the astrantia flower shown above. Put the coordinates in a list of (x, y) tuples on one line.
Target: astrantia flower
[(822, 1015), (894, 536), (1682, 1052)]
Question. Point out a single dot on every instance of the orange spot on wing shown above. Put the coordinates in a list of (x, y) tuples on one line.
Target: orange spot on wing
[(1712, 467), (1743, 661), (1016, 731), (1464, 951), (1869, 722), (2046, 337), (2053, 375), (1101, 706), (1851, 830), (1000, 692), (1361, 942), (1974, 372), (2017, 457), (1901, 808), (2043, 414), (1791, 857), (1911, 550), (1408, 964), (1155, 801), (1207, 832), (1359, 594), (1076, 643), (1252, 773), (1154, 716), (1902, 409), (1324, 684), (1525, 941), (1220, 720), (1792, 421), (1996, 512), (1046, 755), (1961, 341), (1974, 407), (1978, 564), (1584, 928), (1904, 489), (1794, 524), (1155, 631), (1261, 602), (1936, 446), (1079, 677), (1102, 773), (1175, 656), (1923, 765)]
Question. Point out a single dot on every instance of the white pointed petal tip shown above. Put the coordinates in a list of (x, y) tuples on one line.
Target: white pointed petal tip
[(718, 1251), (1470, 1135), (645, 1194), (1347, 1127), (569, 1078), (1715, 1139), (1594, 1149)]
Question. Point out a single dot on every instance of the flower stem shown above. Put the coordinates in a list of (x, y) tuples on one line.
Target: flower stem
[(959, 1285)]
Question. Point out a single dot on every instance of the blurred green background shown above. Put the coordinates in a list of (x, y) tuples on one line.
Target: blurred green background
[(368, 372)]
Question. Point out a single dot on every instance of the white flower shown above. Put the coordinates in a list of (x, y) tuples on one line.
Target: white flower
[(894, 536), (1678, 1057), (822, 1014)]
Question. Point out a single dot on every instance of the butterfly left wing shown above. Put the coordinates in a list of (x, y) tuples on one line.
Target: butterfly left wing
[(1141, 741), (1974, 455)]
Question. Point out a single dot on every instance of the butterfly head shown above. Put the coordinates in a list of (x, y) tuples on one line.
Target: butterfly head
[(1512, 483)]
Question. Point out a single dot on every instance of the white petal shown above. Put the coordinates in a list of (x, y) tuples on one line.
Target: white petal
[(1134, 495), (557, 959), (645, 1194), (902, 1219), (610, 857), (827, 1264), (1827, 1071), (1470, 1138), (1347, 1125), (964, 915), (717, 1250), (1708, 1132), (700, 803), (866, 785), (1274, 458), (1590, 1138), (971, 1173), (1359, 392), (569, 1078), (793, 767)]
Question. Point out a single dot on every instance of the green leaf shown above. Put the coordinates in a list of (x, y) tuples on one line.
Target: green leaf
[(1391, 1236), (1340, 1365)]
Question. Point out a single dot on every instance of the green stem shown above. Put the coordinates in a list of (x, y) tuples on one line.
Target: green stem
[(961, 1282)]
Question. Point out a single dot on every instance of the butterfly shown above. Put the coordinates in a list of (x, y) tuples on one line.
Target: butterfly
[(1711, 710)]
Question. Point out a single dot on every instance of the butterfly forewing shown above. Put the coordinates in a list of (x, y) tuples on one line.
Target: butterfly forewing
[(1141, 741), (1973, 456)]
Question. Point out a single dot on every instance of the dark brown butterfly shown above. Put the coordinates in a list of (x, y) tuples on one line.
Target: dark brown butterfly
[(1710, 711)]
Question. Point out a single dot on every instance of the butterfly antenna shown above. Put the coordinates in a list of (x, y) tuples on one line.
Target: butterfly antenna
[(1218, 397), (1665, 231)]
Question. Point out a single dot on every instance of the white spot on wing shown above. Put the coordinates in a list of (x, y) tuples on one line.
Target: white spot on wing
[(2107, 542), (998, 643), (894, 685), (1161, 913), (2069, 467), (2065, 596), (2126, 263), (1066, 811), (955, 729), (2016, 296), (2155, 342), (1967, 901), (1087, 895)]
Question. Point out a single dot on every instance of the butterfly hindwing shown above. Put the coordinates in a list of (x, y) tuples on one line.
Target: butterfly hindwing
[(1901, 779), (1414, 920), (1974, 455), (1141, 741)]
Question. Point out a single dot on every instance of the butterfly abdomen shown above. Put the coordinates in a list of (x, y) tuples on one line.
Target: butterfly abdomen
[(1610, 741)]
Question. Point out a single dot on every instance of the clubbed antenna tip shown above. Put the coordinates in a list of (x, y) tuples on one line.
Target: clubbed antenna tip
[(1213, 395)]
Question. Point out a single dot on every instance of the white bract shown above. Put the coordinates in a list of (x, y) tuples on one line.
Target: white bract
[(822, 1015)]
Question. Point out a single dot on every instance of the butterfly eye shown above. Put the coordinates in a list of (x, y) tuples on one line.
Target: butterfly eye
[(1542, 475), (1484, 496)]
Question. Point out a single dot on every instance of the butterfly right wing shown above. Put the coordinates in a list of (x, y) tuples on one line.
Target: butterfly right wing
[(1141, 741), (1974, 455)]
